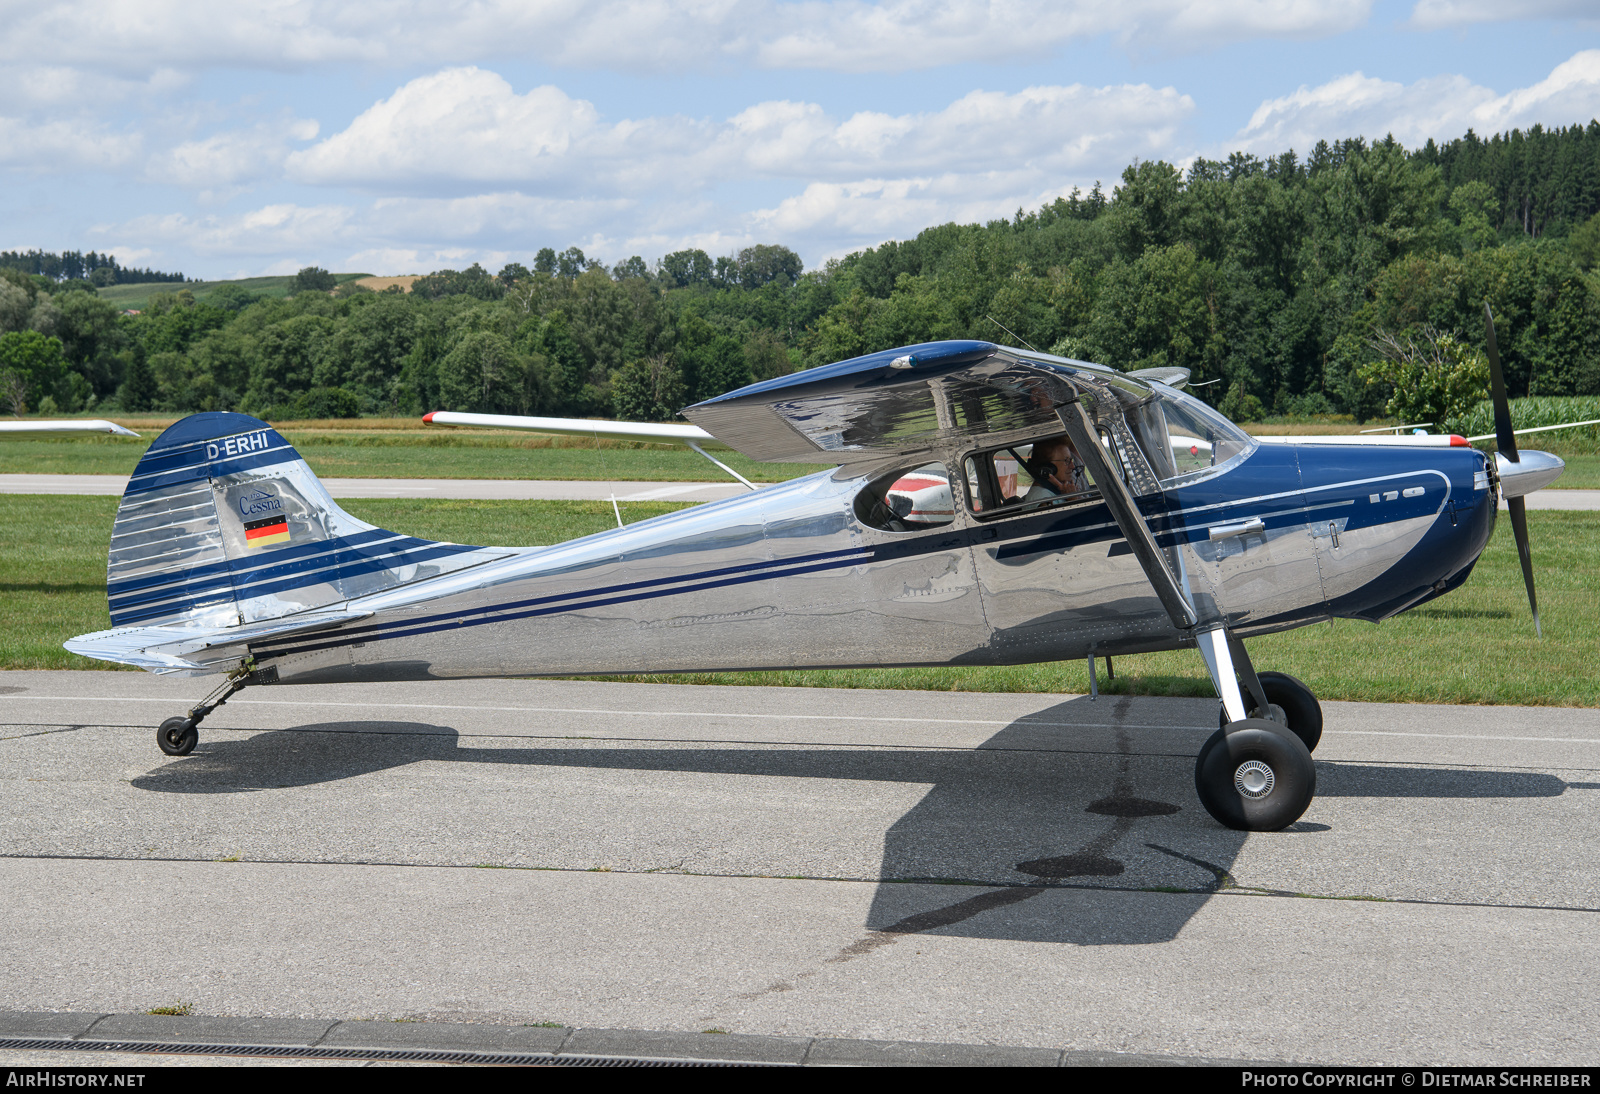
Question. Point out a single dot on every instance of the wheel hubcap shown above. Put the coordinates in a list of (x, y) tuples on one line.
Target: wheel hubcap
[(1253, 779)]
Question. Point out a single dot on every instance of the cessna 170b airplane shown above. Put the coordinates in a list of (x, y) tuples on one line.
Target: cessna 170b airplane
[(977, 505)]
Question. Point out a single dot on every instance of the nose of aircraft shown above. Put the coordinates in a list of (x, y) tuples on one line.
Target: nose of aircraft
[(1416, 521)]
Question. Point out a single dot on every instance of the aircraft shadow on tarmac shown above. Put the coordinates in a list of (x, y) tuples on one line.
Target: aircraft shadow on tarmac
[(1010, 813)]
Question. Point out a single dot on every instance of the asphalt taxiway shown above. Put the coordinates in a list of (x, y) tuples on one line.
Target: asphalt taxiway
[(1011, 870)]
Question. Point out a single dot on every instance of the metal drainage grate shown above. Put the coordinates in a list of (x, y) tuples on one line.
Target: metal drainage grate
[(420, 1055)]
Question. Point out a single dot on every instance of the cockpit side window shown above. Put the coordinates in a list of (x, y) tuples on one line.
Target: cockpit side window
[(1025, 477), (909, 500)]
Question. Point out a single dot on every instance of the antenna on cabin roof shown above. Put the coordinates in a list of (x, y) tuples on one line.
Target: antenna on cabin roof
[(1013, 333)]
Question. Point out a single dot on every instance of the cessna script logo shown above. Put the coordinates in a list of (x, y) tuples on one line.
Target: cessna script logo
[(252, 505), (265, 522)]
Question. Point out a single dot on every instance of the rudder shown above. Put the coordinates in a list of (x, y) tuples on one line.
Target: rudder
[(223, 524)]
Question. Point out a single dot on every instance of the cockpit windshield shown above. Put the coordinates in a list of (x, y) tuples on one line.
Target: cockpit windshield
[(1183, 438)]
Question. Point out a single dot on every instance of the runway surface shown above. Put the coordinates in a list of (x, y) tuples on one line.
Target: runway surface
[(1027, 870), (561, 490)]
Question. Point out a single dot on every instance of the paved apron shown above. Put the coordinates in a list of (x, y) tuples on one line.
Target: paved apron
[(908, 866)]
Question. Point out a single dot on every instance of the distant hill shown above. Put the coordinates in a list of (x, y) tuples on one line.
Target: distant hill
[(134, 297)]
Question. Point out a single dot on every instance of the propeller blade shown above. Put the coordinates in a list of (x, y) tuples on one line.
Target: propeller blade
[(1506, 442), (1519, 526), (1505, 437)]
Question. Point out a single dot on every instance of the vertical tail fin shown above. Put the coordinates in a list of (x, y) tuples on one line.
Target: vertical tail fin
[(223, 524)]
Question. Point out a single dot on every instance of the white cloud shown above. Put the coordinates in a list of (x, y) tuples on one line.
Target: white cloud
[(461, 124), (912, 34), (1441, 107), (231, 157), (1433, 14), (136, 36), (465, 165), (269, 230), (33, 87), (1052, 128), (463, 129), (69, 144)]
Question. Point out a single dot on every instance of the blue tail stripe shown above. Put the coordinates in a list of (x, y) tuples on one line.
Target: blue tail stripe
[(132, 613), (120, 619), (210, 469), (247, 565), (307, 571)]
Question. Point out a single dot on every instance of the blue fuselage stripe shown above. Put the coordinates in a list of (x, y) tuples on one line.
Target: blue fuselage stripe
[(830, 559), (410, 629)]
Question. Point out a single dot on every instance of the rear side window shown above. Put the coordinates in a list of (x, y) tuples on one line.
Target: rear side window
[(909, 500)]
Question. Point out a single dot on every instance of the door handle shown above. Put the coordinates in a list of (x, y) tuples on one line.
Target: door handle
[(1239, 528)]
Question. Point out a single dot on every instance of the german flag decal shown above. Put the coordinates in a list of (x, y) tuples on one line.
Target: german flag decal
[(266, 532)]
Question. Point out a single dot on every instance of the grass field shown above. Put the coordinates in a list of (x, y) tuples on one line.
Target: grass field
[(1474, 646), (404, 448), (137, 296)]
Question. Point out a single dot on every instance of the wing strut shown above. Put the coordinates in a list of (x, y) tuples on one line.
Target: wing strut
[(748, 484), (1126, 513)]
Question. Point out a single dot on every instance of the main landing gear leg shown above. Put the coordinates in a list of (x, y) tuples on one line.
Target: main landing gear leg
[(178, 736), (1255, 773)]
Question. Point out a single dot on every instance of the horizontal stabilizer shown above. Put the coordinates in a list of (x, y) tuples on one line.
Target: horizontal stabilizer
[(179, 649), (278, 628)]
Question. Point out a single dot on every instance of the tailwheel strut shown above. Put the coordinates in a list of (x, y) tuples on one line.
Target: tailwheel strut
[(178, 735)]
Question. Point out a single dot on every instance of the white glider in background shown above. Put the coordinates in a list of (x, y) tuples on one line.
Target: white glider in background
[(82, 425)]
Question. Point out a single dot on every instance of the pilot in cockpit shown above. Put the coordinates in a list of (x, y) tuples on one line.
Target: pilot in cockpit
[(1056, 469)]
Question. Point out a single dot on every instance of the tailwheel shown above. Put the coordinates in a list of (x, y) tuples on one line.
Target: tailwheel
[(1255, 776), (178, 736), (1290, 703)]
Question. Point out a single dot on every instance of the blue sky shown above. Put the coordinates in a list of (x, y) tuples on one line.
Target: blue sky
[(394, 136)]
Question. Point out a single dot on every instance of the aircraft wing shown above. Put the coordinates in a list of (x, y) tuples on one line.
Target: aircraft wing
[(653, 432), (1416, 440), (85, 425), (901, 401), (1409, 440)]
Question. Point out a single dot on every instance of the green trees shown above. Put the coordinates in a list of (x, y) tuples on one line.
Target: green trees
[(1431, 377), (648, 389), (1161, 309), (1283, 277), (483, 373), (312, 279), (32, 367)]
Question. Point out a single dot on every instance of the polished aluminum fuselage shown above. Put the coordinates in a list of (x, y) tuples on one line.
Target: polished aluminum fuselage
[(788, 577)]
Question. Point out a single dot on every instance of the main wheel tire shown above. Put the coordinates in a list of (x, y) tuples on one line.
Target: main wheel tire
[(178, 736), (1255, 776), (1300, 708)]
